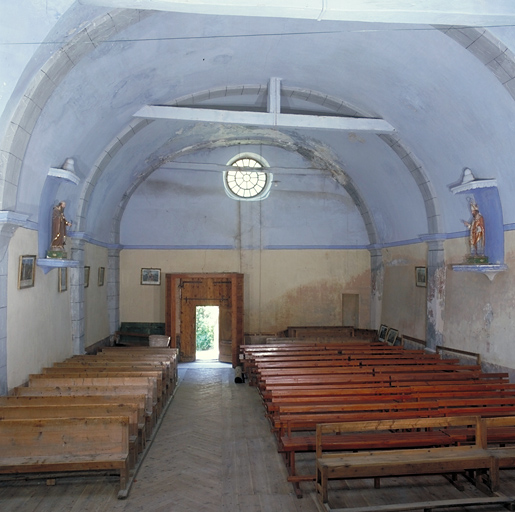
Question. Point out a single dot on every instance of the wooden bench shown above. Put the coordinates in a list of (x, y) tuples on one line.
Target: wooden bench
[(95, 391), (42, 380), (136, 401), (57, 445), (35, 412), (476, 458)]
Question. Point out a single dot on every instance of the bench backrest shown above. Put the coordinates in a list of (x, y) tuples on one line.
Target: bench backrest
[(402, 424), (64, 436), (137, 401), (34, 412), (97, 391)]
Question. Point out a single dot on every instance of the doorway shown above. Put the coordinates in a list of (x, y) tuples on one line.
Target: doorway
[(207, 332), (184, 292)]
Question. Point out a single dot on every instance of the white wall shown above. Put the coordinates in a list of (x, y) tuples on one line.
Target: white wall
[(479, 313), (404, 303), (282, 287), (95, 296), (38, 318)]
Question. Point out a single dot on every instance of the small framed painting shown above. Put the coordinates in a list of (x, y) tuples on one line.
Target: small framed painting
[(27, 271), (62, 279), (381, 335), (421, 276), (86, 276), (391, 336), (151, 276), (101, 274)]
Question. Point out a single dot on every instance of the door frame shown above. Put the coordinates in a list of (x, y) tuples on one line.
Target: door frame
[(173, 326)]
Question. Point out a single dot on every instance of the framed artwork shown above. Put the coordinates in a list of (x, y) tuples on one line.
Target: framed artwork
[(62, 279), (391, 336), (151, 276), (421, 276), (382, 332), (27, 271), (101, 274), (86, 276)]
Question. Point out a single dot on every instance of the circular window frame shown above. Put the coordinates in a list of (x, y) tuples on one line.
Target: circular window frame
[(248, 183)]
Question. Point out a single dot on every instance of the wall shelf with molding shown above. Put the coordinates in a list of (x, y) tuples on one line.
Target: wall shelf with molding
[(48, 264), (489, 271)]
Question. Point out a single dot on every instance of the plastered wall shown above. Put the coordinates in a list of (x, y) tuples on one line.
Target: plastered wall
[(404, 303), (38, 318), (282, 287), (479, 313), (95, 296)]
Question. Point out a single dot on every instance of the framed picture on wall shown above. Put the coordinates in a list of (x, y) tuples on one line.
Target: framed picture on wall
[(26, 271), (381, 335), (86, 276), (101, 274), (421, 276), (391, 336), (62, 279), (151, 276)]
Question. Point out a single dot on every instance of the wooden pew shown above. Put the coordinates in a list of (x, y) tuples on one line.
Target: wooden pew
[(476, 457), (42, 380), (137, 401), (94, 372), (119, 391), (122, 361), (35, 412), (90, 444)]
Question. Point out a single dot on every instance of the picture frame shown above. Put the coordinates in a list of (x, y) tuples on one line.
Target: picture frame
[(86, 276), (421, 276), (62, 279), (151, 276), (391, 336), (101, 275), (381, 334), (26, 271)]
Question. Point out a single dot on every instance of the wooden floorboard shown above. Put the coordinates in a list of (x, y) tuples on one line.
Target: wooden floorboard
[(214, 452)]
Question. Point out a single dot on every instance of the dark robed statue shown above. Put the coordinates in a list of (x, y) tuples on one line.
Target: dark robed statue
[(59, 225)]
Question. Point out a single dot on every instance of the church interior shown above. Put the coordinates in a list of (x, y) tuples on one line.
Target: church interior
[(315, 163)]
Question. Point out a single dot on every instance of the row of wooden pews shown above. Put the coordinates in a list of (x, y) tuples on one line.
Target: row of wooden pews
[(87, 413), (306, 384)]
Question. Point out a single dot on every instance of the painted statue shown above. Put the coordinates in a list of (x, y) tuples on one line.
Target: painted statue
[(477, 231), (59, 225)]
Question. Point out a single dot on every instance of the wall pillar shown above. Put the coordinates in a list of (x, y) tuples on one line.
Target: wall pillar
[(436, 277), (7, 230), (376, 294), (113, 290), (77, 306)]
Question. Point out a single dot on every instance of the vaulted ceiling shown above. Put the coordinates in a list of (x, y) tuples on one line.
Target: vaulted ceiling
[(366, 115)]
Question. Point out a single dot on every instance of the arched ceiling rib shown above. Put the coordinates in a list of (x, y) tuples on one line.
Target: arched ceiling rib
[(62, 63), (44, 83)]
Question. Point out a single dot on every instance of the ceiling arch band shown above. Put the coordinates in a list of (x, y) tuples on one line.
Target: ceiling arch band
[(481, 43)]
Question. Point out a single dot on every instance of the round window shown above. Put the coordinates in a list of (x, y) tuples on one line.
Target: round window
[(245, 181)]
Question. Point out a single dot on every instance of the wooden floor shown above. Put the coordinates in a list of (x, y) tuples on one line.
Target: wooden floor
[(214, 452)]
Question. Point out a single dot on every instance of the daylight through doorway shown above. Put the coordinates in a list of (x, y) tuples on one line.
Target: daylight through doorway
[(207, 329)]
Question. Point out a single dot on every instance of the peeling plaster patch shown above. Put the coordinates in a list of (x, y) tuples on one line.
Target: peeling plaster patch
[(398, 263), (489, 315), (487, 320), (353, 137)]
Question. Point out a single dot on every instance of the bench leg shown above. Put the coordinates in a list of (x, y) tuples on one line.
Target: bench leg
[(321, 485), (494, 474)]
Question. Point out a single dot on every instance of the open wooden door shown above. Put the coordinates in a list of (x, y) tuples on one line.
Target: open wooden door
[(184, 292)]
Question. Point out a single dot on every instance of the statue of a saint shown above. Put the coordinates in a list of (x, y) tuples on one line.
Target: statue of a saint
[(477, 231), (59, 225)]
